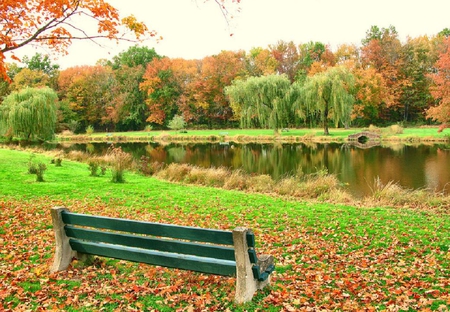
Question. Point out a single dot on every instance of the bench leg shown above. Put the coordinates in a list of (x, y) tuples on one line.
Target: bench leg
[(63, 253), (246, 284)]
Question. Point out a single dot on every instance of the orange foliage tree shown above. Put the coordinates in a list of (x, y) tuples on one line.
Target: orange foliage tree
[(88, 90), (441, 89), (56, 23)]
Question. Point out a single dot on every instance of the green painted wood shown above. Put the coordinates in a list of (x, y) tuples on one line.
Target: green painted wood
[(150, 228), (152, 243), (251, 239), (262, 276), (172, 260), (252, 256)]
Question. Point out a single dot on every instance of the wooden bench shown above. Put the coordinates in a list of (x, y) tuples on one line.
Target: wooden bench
[(228, 253)]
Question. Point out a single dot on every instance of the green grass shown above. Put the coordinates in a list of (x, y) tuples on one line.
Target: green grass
[(327, 256), (337, 134)]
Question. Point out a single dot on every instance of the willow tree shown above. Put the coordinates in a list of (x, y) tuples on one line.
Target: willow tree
[(29, 114), (328, 95), (261, 101)]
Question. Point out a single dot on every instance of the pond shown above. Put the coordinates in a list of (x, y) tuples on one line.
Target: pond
[(412, 167)]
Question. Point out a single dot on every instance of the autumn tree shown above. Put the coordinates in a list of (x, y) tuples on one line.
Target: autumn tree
[(28, 78), (261, 101), (441, 86), (55, 24), (330, 94), (88, 90), (29, 113), (419, 54), (382, 50), (287, 56), (260, 62), (129, 108), (314, 57), (217, 72)]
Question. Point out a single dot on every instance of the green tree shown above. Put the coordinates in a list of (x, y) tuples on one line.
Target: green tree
[(328, 94), (41, 62), (129, 100), (29, 113), (261, 101), (177, 123)]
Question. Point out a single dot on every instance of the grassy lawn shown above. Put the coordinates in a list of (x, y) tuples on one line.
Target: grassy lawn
[(328, 257), (314, 134)]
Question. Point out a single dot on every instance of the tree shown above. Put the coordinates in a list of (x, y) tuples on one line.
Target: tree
[(28, 78), (162, 91), (129, 107), (55, 24), (89, 91), (42, 63), (29, 113), (260, 62), (383, 51), (133, 57), (441, 88), (261, 101), (286, 54), (330, 94), (217, 72)]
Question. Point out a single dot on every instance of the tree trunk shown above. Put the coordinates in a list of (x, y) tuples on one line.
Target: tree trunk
[(325, 120)]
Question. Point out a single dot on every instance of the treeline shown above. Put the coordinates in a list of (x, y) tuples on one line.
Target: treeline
[(381, 82)]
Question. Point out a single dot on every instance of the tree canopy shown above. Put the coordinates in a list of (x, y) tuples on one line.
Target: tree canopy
[(55, 24), (330, 95), (29, 113)]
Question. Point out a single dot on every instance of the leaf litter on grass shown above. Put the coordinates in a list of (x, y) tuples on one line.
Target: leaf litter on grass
[(328, 262)]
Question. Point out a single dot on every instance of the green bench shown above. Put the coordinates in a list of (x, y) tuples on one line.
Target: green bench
[(227, 253)]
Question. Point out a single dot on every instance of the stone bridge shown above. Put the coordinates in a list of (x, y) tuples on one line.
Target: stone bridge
[(365, 136)]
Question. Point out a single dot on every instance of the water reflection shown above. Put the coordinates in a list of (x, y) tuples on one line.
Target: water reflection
[(424, 166)]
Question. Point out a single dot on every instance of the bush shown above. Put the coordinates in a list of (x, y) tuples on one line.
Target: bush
[(177, 123), (89, 130), (149, 168), (119, 161), (41, 167), (93, 167), (36, 168)]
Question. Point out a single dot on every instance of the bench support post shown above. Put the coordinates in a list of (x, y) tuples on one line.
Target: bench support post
[(246, 284), (63, 253)]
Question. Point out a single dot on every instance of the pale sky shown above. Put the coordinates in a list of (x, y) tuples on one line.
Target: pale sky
[(195, 29)]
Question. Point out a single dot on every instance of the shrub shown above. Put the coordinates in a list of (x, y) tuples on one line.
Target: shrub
[(149, 168), (119, 161), (93, 167), (41, 167), (148, 128), (56, 161), (262, 183), (177, 123), (32, 167), (89, 130), (238, 180), (175, 172), (395, 129), (36, 168)]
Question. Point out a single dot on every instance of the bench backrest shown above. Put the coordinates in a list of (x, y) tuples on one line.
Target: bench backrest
[(191, 248)]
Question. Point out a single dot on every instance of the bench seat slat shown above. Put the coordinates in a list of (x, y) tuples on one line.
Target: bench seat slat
[(196, 249), (173, 260), (149, 228)]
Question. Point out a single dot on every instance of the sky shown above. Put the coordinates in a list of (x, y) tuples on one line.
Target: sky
[(193, 29)]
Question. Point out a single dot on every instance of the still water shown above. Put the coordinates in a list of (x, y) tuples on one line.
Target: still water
[(413, 167)]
